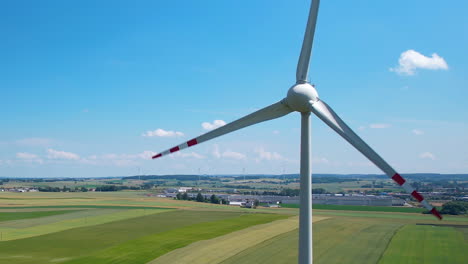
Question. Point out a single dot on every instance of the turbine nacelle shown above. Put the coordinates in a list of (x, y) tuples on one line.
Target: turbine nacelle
[(300, 96)]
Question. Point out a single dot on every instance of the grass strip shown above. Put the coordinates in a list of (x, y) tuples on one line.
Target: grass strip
[(220, 248), (426, 244), (9, 216), (389, 216), (85, 207), (336, 241), (360, 208), (83, 241), (84, 220), (25, 223), (150, 247)]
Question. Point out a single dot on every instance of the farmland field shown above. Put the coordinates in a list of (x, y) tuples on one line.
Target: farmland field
[(7, 216), (360, 208), (426, 244), (129, 227)]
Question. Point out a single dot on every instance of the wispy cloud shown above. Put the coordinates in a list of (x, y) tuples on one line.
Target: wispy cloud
[(228, 154), (267, 155), (146, 155), (25, 155), (34, 142), (318, 160), (417, 132), (6, 162), (379, 125), (29, 157), (412, 60), (215, 124), (120, 160), (58, 154), (427, 155), (216, 152), (233, 155), (163, 133), (192, 154)]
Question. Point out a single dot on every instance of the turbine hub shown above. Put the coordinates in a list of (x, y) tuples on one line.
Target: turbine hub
[(300, 95)]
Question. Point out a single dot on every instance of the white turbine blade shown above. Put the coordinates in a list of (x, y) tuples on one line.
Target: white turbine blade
[(304, 58), (270, 112), (324, 112)]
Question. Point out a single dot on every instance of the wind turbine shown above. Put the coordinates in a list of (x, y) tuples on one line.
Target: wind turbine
[(302, 97)]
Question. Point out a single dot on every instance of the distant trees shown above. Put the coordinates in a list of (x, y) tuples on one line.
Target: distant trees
[(200, 198), (455, 208), (114, 188), (289, 192), (214, 199), (256, 203), (319, 191), (49, 189)]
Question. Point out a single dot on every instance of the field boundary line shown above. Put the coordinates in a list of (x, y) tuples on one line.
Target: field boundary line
[(83, 221), (389, 242), (218, 249)]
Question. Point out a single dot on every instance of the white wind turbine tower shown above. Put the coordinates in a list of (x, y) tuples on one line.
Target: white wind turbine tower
[(303, 98)]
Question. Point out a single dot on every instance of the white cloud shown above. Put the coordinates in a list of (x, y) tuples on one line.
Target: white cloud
[(112, 159), (320, 160), (163, 133), (276, 132), (29, 157), (124, 163), (147, 154), (25, 155), (227, 154), (215, 124), (417, 132), (233, 155), (183, 154), (266, 155), (216, 152), (34, 142), (359, 164), (411, 60), (6, 162), (379, 125), (427, 155), (58, 154)]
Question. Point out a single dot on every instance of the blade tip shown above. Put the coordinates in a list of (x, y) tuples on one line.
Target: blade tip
[(156, 156), (436, 213)]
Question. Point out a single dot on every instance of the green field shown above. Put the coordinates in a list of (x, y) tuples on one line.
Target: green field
[(129, 227), (353, 241), (8, 216), (360, 208), (427, 244), (152, 246)]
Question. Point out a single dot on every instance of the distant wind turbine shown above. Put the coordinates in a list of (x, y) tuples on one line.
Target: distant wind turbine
[(302, 97)]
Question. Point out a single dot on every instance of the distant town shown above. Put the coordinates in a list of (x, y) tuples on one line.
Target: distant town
[(264, 190)]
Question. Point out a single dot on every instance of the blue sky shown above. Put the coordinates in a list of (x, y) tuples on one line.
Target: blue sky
[(93, 88)]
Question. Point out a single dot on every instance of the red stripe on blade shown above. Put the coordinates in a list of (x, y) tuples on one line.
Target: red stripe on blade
[(192, 142), (398, 179), (157, 156), (436, 213), (174, 149), (417, 196)]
